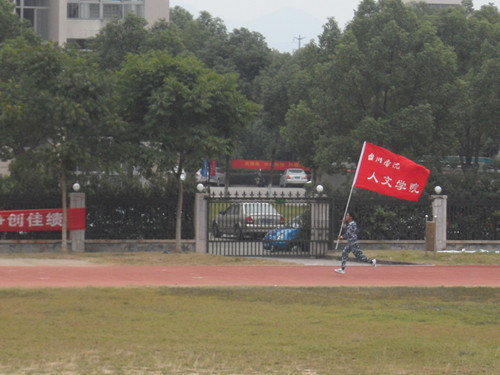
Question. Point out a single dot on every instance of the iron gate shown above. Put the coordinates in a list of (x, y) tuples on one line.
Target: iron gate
[(268, 225)]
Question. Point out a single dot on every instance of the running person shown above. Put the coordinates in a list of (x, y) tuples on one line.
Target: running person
[(351, 234)]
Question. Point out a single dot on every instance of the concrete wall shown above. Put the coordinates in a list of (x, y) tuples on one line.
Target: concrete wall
[(420, 245), (53, 246)]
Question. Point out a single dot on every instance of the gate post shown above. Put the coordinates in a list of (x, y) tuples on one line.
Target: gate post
[(201, 222), (439, 214), (77, 237), (320, 227)]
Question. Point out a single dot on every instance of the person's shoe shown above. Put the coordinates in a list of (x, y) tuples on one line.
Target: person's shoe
[(374, 263), (340, 270)]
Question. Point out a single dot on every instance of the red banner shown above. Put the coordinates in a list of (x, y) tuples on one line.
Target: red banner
[(213, 168), (391, 174), (265, 165), (41, 220)]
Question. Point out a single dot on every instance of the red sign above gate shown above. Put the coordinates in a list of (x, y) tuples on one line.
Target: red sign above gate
[(265, 165)]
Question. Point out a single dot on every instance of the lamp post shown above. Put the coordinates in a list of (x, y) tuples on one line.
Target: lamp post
[(201, 218), (77, 200), (439, 213), (319, 189)]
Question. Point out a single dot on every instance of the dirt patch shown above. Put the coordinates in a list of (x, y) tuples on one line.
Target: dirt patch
[(15, 262)]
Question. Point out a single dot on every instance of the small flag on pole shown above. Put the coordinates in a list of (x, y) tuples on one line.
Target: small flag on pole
[(391, 174)]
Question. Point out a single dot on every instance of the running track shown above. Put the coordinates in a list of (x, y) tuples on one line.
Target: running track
[(307, 276)]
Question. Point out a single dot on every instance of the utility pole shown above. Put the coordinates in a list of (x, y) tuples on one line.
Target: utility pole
[(300, 38)]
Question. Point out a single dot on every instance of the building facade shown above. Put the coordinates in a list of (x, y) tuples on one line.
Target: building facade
[(77, 20)]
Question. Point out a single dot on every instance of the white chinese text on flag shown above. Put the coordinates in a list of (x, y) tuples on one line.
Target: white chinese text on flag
[(387, 173)]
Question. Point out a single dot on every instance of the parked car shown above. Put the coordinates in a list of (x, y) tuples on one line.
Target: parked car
[(292, 237), (246, 218), (293, 177), (219, 179)]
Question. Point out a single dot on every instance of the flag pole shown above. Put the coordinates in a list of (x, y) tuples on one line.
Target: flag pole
[(350, 194)]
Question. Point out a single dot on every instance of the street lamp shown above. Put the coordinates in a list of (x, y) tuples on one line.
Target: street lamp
[(319, 189), (76, 186), (438, 190), (200, 187)]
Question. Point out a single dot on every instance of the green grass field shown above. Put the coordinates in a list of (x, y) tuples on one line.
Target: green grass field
[(248, 331)]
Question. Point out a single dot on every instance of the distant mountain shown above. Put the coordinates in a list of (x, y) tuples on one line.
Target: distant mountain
[(283, 28)]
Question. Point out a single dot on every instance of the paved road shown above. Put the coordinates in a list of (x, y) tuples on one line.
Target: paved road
[(37, 276)]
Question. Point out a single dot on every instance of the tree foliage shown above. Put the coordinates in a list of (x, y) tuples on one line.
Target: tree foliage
[(407, 78), (53, 112), (179, 112), (419, 81), (10, 24)]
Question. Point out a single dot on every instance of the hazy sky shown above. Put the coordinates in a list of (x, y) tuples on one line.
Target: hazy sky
[(257, 15)]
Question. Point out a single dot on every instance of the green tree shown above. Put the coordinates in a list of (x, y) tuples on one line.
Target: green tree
[(179, 112), (118, 38), (248, 54), (206, 38), (10, 24), (330, 38), (301, 134), (241, 51), (54, 110), (391, 80), (27, 70), (165, 36), (475, 36), (272, 91)]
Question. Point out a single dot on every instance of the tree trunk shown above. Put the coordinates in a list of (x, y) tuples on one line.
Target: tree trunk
[(178, 222), (226, 181), (64, 232)]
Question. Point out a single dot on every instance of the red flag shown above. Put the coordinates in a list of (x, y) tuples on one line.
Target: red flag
[(391, 174)]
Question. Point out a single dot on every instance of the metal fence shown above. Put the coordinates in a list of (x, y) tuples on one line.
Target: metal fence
[(473, 220), (132, 216), (391, 220), (386, 219), (137, 217), (152, 216), (268, 225)]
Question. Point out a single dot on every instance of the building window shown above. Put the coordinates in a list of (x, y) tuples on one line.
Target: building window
[(93, 11), (37, 13), (73, 10), (103, 9), (112, 10), (78, 43)]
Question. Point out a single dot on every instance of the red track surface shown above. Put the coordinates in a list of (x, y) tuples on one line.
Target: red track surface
[(130, 276)]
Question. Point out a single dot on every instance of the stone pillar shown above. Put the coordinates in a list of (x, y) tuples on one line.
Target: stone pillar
[(439, 207), (430, 236), (201, 222), (320, 227), (77, 237)]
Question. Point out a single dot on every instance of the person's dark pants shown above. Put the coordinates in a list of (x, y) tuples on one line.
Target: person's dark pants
[(354, 247)]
